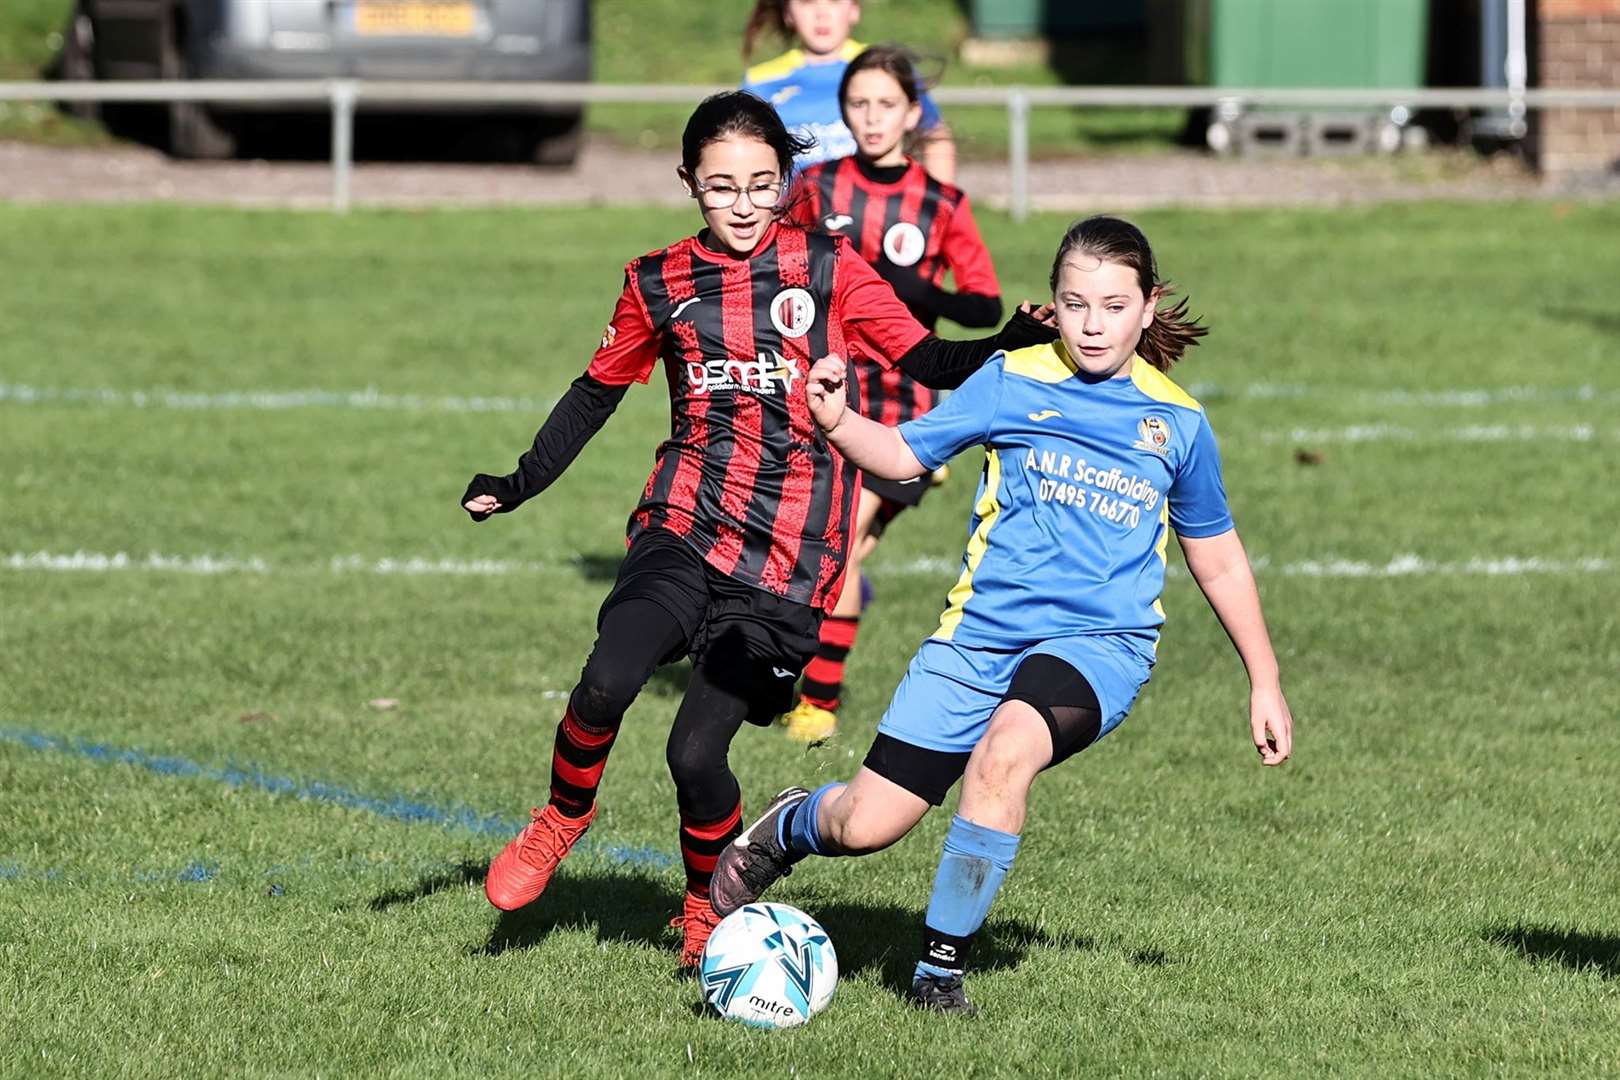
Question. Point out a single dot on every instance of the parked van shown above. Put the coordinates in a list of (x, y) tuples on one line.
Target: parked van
[(494, 40)]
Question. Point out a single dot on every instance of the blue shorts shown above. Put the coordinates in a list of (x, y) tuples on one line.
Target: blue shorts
[(950, 690)]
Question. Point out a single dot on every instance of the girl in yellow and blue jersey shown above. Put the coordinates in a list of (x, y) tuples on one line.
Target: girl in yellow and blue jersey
[(802, 84), (1093, 457)]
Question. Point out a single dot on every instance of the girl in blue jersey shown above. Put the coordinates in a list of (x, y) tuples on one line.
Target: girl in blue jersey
[(1093, 456), (802, 83)]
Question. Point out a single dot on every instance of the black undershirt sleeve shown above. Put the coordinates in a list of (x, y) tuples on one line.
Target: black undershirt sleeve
[(577, 416), (945, 365), (964, 308)]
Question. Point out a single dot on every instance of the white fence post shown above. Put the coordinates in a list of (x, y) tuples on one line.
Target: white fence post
[(344, 93), (1018, 154)]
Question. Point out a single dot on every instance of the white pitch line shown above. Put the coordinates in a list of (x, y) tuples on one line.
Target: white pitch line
[(1398, 566), (1471, 433), (367, 400), (372, 399)]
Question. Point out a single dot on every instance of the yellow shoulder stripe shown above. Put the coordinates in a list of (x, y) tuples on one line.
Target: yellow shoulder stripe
[(852, 49), (1157, 385), (1048, 363), (771, 70)]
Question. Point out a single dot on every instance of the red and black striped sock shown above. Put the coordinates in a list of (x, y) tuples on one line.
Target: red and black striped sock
[(577, 759), (824, 676), (701, 844)]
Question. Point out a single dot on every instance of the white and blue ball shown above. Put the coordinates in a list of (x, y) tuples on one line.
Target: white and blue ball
[(768, 965)]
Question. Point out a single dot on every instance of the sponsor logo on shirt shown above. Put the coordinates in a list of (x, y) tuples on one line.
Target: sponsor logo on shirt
[(1044, 414), (1155, 435), (784, 95), (609, 335), (684, 304), (763, 375), (904, 244), (792, 312), (837, 222)]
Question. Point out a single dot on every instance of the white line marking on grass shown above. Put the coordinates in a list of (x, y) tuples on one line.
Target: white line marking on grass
[(1398, 566), (1402, 565), (1454, 397), (1472, 433), (372, 399), (367, 400)]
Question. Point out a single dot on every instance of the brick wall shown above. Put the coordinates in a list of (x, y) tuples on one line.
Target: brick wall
[(1579, 46)]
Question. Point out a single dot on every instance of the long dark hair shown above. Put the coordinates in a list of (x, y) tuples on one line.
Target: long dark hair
[(767, 15), (892, 59), (737, 112), (1116, 240)]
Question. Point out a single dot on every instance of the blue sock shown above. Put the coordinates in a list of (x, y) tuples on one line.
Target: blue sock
[(975, 862), (798, 831)]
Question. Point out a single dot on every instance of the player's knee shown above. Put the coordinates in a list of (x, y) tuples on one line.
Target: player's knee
[(693, 761), (1008, 756), (604, 692)]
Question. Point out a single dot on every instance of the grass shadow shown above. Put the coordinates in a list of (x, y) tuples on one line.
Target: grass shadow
[(1573, 949), (465, 872), (617, 906), (599, 567), (886, 937)]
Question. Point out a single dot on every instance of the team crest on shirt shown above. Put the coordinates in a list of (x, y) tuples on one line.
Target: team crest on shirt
[(1155, 435), (792, 312), (609, 334), (904, 244)]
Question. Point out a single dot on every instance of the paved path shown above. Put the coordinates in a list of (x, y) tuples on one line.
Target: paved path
[(607, 172)]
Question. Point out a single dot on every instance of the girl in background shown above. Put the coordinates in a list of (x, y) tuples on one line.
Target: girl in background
[(802, 83), (913, 229)]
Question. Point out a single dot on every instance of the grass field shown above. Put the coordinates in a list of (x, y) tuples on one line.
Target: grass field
[(233, 447), (701, 43)]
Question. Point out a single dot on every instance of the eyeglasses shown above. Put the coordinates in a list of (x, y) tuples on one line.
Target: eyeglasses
[(724, 196)]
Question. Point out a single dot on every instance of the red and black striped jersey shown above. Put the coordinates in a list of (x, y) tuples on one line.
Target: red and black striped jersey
[(745, 477), (911, 225)]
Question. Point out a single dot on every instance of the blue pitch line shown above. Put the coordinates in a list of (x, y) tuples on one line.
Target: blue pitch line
[(395, 807)]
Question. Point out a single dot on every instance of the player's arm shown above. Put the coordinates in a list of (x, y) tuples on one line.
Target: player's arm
[(629, 350), (884, 329), (916, 447), (1221, 568), (873, 447), (1217, 561), (977, 299)]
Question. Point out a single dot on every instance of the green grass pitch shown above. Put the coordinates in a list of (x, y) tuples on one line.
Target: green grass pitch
[(216, 858)]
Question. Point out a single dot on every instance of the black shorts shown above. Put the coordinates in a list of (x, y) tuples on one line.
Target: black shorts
[(747, 640), (901, 493), (1050, 686)]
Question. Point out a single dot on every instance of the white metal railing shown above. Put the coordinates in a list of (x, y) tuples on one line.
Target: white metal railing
[(344, 96)]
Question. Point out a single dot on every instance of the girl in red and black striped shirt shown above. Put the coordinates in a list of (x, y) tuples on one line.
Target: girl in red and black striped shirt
[(739, 541), (913, 230)]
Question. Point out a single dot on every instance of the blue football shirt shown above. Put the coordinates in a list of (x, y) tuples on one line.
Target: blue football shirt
[(805, 96), (1082, 483)]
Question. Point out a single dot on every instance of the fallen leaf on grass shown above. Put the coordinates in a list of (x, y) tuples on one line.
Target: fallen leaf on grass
[(383, 704)]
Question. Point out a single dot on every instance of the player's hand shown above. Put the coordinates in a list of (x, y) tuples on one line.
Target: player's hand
[(1045, 313), (1271, 724), (488, 495), (824, 387)]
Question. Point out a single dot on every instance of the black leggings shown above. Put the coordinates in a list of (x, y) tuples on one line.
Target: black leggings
[(637, 637)]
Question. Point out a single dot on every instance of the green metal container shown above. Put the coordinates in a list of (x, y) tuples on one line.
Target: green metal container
[(1055, 18), (1347, 43)]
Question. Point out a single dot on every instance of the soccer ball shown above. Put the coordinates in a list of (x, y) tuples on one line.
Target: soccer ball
[(768, 965)]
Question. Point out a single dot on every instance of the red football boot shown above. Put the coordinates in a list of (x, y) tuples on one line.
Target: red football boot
[(696, 921), (521, 871)]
